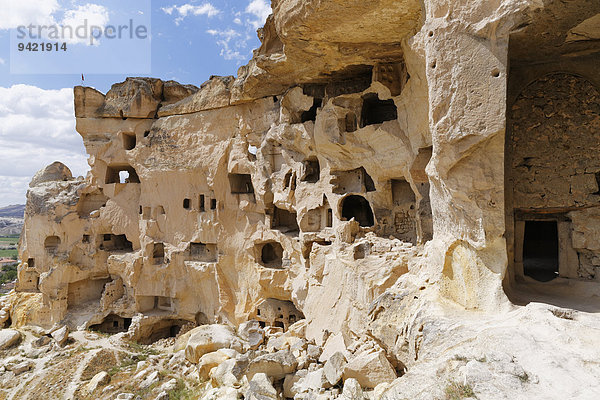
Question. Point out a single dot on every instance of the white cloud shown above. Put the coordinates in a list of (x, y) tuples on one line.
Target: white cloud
[(2, 62), (260, 9), (42, 15), (188, 9), (25, 12), (92, 14), (232, 43), (37, 127)]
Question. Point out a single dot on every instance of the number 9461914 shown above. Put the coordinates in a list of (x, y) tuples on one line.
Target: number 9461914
[(42, 46)]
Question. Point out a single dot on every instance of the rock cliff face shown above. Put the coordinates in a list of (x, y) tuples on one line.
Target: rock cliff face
[(359, 172)]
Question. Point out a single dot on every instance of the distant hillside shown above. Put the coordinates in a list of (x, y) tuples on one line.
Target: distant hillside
[(14, 211), (11, 219)]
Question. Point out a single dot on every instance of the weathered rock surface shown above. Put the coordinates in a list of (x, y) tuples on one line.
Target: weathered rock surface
[(209, 338), (275, 365), (414, 181), (370, 369), (8, 338), (260, 388), (61, 335)]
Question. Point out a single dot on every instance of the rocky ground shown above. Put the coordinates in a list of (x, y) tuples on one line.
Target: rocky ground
[(439, 351)]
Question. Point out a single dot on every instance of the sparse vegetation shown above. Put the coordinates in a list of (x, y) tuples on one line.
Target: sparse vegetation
[(459, 391), (140, 348), (8, 273), (183, 391), (524, 377)]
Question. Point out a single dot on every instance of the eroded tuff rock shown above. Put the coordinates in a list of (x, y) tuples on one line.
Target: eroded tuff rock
[(389, 173)]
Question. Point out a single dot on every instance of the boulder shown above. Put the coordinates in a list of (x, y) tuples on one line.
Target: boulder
[(221, 393), (21, 367), (334, 368), (54, 172), (208, 338), (313, 381), (42, 341), (260, 388), (9, 338), (212, 360), (298, 328), (169, 385), (61, 335), (352, 390), (275, 365), (4, 315), (289, 382), (370, 369), (99, 380), (253, 333), (334, 344), (226, 374), (150, 380)]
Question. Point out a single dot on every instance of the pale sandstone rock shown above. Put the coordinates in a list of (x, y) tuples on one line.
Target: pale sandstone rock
[(9, 338), (150, 380), (211, 360), (42, 341), (313, 381), (21, 367), (289, 388), (352, 390), (334, 368), (4, 315), (335, 343), (369, 369), (276, 365), (214, 93), (55, 172), (228, 373), (169, 385), (61, 335), (99, 380), (221, 393), (260, 388), (252, 333), (209, 338)]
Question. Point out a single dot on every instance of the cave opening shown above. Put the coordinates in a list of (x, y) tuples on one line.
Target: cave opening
[(112, 324), (358, 207), (375, 111), (312, 171), (272, 255), (121, 174), (540, 250), (311, 114), (241, 183), (129, 141)]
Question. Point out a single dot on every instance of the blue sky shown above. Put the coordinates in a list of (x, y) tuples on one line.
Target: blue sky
[(190, 41)]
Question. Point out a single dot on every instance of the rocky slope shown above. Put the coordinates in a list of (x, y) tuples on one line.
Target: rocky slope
[(11, 219)]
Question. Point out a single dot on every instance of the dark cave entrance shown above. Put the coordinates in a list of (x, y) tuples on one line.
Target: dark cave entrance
[(540, 250)]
